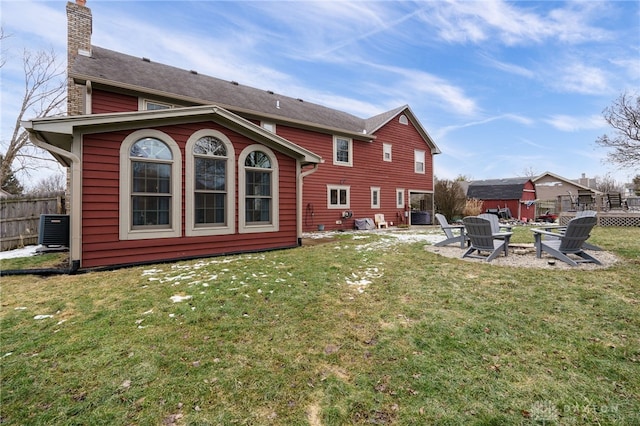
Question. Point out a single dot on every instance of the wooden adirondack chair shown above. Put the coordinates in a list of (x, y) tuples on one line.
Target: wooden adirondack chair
[(483, 239), (449, 231), (571, 242)]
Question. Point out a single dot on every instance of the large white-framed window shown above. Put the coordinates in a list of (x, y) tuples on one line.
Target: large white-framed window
[(342, 151), (258, 190), (209, 184), (400, 198), (419, 158), (375, 197), (386, 152), (338, 196), (150, 186)]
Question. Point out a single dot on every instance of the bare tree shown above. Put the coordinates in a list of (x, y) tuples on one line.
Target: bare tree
[(449, 198), (636, 185), (2, 56), (624, 117), (44, 95), (53, 183), (530, 172), (607, 184)]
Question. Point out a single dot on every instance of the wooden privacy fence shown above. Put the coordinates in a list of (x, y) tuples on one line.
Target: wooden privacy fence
[(20, 217)]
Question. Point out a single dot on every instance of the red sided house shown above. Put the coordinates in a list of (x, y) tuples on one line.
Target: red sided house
[(512, 197), (169, 164)]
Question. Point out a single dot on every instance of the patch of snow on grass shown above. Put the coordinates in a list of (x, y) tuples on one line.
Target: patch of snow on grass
[(41, 317), (21, 252), (177, 298)]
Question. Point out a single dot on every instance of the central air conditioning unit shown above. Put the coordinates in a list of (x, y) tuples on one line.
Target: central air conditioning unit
[(53, 232)]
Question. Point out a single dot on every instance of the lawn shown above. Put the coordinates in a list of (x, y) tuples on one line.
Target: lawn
[(358, 330)]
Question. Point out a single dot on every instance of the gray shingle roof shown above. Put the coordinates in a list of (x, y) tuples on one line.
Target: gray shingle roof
[(497, 189), (120, 70)]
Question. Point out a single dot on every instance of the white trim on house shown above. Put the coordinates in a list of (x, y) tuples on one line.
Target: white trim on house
[(174, 228), (245, 227), (338, 162), (400, 198), (387, 152), (375, 197), (229, 227), (338, 189)]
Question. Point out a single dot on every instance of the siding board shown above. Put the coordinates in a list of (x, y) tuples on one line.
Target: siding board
[(104, 102)]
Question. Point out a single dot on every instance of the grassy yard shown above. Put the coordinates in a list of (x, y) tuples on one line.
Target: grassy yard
[(353, 331)]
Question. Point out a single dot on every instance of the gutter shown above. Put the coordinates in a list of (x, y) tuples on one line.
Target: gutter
[(74, 265), (33, 137)]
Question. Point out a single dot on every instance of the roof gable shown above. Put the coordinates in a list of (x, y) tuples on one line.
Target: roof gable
[(375, 123), (560, 178)]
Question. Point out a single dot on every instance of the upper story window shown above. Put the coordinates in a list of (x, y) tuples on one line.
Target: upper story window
[(150, 186), (153, 105), (386, 151), (259, 192), (342, 151), (210, 184), (403, 120), (419, 161), (270, 126)]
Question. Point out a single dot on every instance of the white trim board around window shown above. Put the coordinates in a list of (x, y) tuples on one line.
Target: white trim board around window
[(172, 228), (375, 197), (419, 161), (386, 152), (266, 191), (201, 185), (338, 196), (342, 151), (400, 198)]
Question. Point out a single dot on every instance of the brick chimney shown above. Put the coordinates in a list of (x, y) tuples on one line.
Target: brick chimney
[(79, 28)]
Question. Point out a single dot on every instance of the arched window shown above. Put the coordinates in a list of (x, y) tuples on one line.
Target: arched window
[(259, 192), (149, 186), (210, 184)]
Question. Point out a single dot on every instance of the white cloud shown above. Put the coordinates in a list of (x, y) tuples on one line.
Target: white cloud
[(511, 68), (479, 21), (580, 78), (35, 27), (442, 132), (567, 123), (406, 83)]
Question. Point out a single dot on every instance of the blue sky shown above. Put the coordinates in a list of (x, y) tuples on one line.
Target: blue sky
[(502, 87)]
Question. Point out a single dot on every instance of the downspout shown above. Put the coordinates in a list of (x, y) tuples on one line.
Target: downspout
[(301, 176), (74, 244)]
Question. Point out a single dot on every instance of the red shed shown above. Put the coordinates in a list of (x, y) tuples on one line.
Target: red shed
[(513, 197)]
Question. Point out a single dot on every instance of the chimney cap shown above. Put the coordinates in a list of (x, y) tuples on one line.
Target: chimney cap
[(81, 2)]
